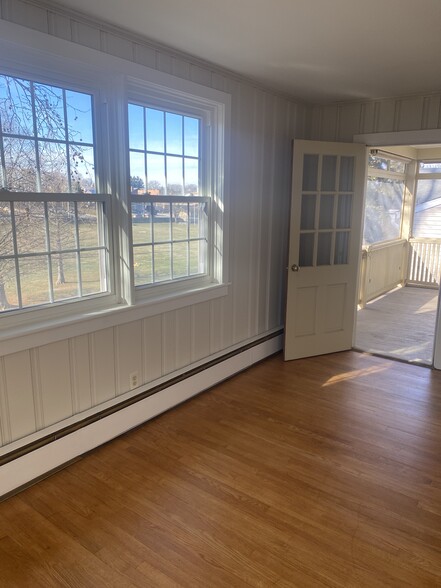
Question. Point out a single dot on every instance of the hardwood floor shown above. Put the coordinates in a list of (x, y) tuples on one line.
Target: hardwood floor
[(318, 472)]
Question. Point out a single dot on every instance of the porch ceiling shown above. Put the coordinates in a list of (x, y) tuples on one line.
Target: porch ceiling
[(318, 51)]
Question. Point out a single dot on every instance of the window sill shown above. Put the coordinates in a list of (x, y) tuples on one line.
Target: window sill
[(23, 337)]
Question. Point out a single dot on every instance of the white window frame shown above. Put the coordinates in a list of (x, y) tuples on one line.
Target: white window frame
[(212, 116), (54, 61)]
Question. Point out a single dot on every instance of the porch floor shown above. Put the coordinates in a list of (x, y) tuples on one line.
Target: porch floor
[(400, 324)]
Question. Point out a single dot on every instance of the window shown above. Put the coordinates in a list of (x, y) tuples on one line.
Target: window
[(111, 191), (384, 200), (427, 214), (168, 204), (52, 235)]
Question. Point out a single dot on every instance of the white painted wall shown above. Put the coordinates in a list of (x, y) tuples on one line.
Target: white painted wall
[(48, 386)]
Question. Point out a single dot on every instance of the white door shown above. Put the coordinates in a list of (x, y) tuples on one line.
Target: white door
[(326, 219)]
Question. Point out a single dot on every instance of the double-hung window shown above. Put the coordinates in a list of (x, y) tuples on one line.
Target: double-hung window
[(175, 144), (53, 237)]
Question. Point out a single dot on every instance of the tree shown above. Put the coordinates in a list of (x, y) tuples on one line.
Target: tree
[(43, 130), (136, 183)]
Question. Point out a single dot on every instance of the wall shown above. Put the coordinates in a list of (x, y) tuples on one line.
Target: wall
[(43, 388)]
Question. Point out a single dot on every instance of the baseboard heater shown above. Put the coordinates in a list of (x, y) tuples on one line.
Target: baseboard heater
[(38, 459)]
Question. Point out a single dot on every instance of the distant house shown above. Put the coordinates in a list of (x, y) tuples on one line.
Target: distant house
[(427, 220)]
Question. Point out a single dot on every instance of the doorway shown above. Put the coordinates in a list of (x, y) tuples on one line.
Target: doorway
[(401, 255)]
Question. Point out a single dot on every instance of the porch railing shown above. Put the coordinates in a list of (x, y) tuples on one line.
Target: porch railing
[(386, 265), (424, 267)]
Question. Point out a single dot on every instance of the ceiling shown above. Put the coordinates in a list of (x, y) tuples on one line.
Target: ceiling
[(316, 50)]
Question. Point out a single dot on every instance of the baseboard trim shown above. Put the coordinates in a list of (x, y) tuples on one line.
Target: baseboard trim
[(32, 465)]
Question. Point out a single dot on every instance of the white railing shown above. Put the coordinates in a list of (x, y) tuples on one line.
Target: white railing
[(424, 268)]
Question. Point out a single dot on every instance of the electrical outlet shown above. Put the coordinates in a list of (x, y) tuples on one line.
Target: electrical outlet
[(133, 380)]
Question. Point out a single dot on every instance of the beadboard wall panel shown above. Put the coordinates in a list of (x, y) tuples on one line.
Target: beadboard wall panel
[(340, 122), (46, 385)]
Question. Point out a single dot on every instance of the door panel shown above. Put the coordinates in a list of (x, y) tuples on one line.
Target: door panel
[(326, 216)]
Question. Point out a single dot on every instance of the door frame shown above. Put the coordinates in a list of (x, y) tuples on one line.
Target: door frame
[(404, 138)]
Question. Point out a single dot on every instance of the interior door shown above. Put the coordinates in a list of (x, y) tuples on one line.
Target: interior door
[(326, 219)]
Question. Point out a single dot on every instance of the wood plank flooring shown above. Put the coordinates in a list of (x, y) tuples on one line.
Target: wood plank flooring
[(400, 324), (322, 472)]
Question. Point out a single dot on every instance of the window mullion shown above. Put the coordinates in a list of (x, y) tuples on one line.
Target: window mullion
[(35, 138), (49, 255)]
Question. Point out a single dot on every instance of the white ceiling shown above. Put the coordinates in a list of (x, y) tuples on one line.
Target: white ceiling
[(317, 50)]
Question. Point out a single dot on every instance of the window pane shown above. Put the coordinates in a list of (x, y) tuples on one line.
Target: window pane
[(137, 173), (307, 218), (162, 256), (384, 198), (155, 130), (93, 274), (156, 174), (180, 224), (142, 265), (30, 227), (136, 127), (324, 248), (82, 169), (427, 209), (180, 260), (16, 106), (175, 179), (53, 167), (344, 211), (6, 240), (162, 223), (20, 164), (9, 297), (62, 226), (174, 135), (198, 254), (346, 174), (341, 247), (34, 280), (191, 136), (49, 112), (198, 220), (79, 117), (191, 171), (329, 172), (310, 170), (88, 224), (141, 222), (306, 251), (326, 211), (65, 276)]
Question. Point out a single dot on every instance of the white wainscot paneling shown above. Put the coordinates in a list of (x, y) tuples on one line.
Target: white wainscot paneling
[(102, 355), (152, 348), (200, 331), (54, 379), (128, 353), (80, 369), (17, 399)]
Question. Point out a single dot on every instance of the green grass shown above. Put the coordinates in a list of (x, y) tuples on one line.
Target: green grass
[(34, 272)]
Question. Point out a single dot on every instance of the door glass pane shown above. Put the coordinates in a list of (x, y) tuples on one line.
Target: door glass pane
[(344, 211), (307, 218), (306, 251), (310, 169), (326, 219), (329, 172), (341, 248), (324, 249), (346, 174)]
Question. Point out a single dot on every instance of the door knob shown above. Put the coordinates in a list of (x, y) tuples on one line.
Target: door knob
[(295, 267)]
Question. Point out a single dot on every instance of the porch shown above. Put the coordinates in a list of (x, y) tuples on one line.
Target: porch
[(394, 318)]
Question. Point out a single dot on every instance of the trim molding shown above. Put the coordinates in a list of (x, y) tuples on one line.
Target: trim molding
[(32, 464)]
